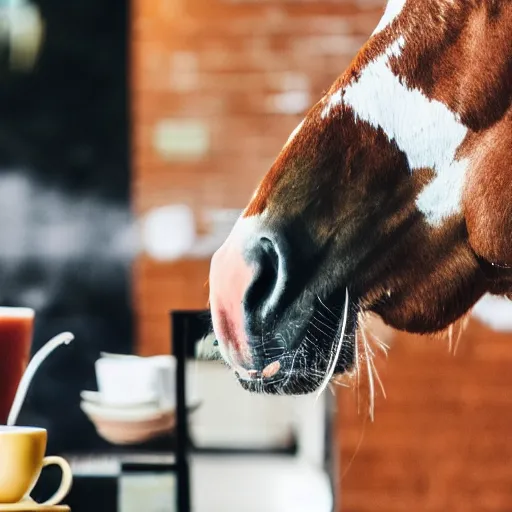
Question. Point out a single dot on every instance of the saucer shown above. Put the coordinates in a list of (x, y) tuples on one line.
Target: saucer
[(32, 506), (135, 425), (139, 413), (95, 397), (127, 414), (124, 429)]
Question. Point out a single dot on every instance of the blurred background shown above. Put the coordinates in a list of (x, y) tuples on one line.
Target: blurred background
[(131, 135)]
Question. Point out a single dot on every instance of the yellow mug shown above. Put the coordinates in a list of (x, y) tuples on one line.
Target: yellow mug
[(22, 458)]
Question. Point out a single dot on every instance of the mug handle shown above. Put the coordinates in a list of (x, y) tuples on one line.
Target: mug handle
[(65, 483)]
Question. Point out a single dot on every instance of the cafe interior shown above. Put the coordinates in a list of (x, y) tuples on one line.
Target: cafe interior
[(132, 134)]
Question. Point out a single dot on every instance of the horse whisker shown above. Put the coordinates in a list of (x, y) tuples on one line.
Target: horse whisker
[(333, 360)]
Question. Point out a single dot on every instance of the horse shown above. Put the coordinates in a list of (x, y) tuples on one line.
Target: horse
[(391, 198)]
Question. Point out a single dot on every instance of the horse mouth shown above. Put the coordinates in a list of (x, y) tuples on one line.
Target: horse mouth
[(326, 348)]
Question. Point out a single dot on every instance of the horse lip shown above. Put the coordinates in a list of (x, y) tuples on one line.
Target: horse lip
[(271, 369), (267, 373)]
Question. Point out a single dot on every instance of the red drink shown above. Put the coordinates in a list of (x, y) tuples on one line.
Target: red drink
[(16, 326)]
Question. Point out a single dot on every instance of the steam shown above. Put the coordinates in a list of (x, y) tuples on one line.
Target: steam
[(50, 238), (50, 241), (43, 223)]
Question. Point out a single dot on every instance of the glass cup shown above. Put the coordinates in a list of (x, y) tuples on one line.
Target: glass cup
[(16, 329)]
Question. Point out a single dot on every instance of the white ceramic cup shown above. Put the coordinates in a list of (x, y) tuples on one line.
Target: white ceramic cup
[(125, 381)]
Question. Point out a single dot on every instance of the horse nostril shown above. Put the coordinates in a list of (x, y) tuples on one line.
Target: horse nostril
[(261, 291), (271, 253)]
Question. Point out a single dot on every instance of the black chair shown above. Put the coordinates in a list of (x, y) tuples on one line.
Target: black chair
[(186, 328)]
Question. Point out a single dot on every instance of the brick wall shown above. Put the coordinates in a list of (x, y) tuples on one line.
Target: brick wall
[(441, 440), (228, 80)]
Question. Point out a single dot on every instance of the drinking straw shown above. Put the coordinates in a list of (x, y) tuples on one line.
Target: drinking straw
[(64, 338)]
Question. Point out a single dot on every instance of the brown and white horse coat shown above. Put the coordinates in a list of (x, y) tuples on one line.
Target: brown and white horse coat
[(393, 196)]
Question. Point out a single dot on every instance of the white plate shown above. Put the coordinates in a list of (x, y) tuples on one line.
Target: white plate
[(140, 413)]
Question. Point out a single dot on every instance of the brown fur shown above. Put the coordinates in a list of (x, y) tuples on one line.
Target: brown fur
[(459, 53), (488, 192)]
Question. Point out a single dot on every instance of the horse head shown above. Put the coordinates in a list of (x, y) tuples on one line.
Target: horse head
[(391, 197)]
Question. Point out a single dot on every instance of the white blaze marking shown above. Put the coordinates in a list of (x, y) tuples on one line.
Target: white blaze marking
[(393, 10), (425, 130), (441, 198), (334, 100)]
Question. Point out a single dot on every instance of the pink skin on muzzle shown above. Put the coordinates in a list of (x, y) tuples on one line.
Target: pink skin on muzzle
[(230, 276)]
